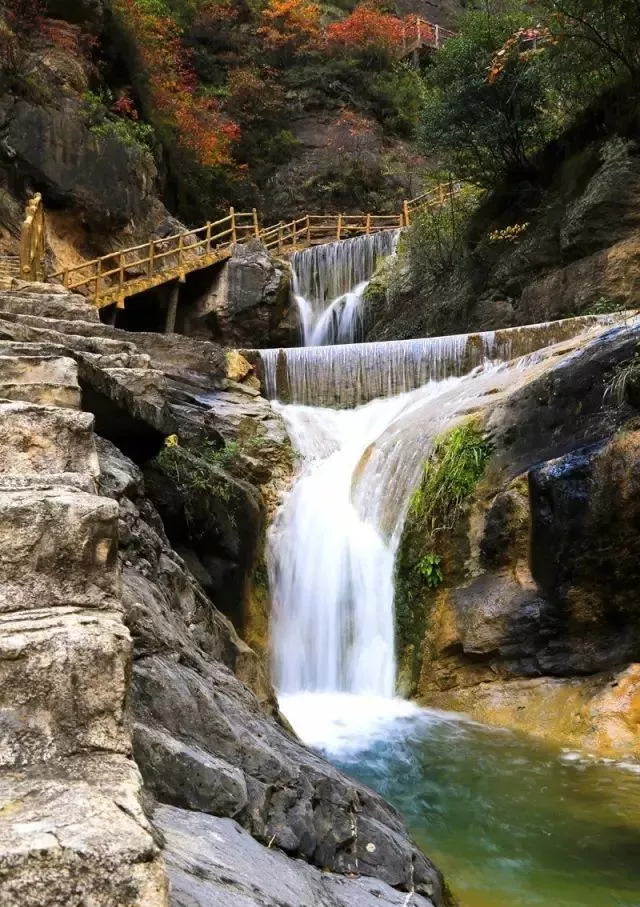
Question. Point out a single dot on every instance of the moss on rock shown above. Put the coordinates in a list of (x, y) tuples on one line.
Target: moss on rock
[(434, 539)]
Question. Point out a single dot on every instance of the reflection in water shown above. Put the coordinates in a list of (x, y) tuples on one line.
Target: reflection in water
[(511, 823)]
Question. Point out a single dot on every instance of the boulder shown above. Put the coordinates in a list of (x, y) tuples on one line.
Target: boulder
[(249, 304)]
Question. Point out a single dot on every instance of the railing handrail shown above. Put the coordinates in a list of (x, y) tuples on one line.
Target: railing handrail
[(126, 272)]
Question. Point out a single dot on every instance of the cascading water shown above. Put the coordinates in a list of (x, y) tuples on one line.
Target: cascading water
[(486, 801), (331, 565), (350, 374), (332, 545), (329, 282)]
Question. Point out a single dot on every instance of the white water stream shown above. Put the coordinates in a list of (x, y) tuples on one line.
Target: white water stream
[(332, 546)]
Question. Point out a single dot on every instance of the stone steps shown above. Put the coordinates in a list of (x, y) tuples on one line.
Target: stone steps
[(63, 679), (9, 270), (73, 834), (38, 440), (40, 379)]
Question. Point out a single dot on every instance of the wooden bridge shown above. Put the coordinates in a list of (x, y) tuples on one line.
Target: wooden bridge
[(113, 278)]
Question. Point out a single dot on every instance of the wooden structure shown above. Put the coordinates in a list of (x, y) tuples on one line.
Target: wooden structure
[(127, 272), (32, 241), (417, 34)]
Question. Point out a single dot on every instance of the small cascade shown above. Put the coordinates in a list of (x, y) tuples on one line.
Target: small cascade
[(348, 375), (329, 282)]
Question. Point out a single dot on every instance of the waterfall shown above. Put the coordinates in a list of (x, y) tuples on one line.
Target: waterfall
[(350, 374), (329, 282), (332, 546)]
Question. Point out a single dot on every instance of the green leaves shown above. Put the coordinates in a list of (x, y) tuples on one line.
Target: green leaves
[(430, 570)]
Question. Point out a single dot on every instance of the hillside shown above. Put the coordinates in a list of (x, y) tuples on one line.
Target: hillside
[(125, 113)]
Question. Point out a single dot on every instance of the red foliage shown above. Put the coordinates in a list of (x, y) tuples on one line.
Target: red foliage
[(196, 122), (525, 44), (292, 25), (367, 28), (125, 107)]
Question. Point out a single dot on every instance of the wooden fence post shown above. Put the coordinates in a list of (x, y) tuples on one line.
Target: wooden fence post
[(172, 310), (232, 215), (121, 279), (308, 229), (151, 262), (181, 256), (368, 227), (441, 193), (98, 272), (256, 225), (339, 228), (437, 36), (280, 236), (208, 245), (405, 209), (65, 277)]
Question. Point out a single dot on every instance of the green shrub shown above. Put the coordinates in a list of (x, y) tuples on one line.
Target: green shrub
[(430, 569), (450, 474)]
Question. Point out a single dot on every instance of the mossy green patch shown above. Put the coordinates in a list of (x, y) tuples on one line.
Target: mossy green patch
[(450, 475)]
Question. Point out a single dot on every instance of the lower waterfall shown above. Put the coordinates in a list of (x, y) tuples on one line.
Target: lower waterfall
[(332, 545), (483, 799)]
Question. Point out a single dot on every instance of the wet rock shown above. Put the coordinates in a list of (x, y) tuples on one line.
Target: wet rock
[(213, 860)]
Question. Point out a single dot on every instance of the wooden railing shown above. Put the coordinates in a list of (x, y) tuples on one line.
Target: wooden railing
[(32, 241), (127, 272), (418, 33)]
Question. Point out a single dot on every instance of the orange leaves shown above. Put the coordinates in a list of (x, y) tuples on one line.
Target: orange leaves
[(523, 44), (367, 28), (291, 25), (195, 122)]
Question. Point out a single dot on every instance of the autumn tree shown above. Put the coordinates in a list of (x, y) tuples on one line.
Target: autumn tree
[(169, 86), (368, 32), (289, 27)]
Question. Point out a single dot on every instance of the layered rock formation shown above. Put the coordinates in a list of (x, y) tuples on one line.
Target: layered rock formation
[(533, 623), (193, 697)]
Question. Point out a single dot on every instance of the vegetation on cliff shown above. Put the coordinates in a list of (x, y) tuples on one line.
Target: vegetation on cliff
[(450, 475)]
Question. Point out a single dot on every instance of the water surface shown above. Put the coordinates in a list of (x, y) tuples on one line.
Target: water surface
[(510, 822)]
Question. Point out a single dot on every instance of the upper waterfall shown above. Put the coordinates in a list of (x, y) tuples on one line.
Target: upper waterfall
[(329, 282)]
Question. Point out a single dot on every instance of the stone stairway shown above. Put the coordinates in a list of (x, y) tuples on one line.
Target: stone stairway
[(72, 829)]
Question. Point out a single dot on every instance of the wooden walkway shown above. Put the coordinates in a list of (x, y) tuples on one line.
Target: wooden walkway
[(119, 275)]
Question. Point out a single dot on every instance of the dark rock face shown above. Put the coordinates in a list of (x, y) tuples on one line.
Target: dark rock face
[(110, 182), (220, 524), (249, 305)]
